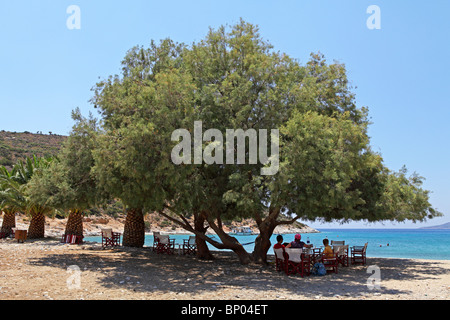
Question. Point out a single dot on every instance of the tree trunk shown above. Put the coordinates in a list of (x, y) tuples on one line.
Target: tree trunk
[(134, 229), (36, 230), (243, 255), (229, 242), (202, 247), (9, 222), (262, 245), (75, 223), (262, 241)]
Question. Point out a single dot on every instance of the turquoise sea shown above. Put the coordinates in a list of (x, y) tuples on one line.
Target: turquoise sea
[(433, 244)]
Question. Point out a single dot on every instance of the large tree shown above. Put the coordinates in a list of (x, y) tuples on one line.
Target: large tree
[(139, 111), (234, 80)]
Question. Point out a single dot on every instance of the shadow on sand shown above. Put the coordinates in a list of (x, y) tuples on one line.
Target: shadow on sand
[(142, 270)]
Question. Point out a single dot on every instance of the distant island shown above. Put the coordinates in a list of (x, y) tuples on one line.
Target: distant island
[(442, 226)]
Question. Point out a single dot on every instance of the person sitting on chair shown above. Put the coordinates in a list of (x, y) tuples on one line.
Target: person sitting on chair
[(328, 251), (297, 243), (279, 243)]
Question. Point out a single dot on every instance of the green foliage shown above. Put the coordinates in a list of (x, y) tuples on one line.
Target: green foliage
[(15, 187), (233, 79), (68, 183)]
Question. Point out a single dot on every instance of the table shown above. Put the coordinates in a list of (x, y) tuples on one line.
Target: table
[(20, 235)]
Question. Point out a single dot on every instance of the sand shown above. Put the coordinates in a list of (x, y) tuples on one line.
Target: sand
[(48, 270)]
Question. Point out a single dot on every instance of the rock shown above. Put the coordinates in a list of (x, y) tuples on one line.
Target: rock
[(101, 221)]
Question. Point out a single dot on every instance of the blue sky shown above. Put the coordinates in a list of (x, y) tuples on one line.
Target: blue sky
[(401, 72)]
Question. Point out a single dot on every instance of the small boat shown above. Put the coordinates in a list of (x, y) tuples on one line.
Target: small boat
[(241, 231)]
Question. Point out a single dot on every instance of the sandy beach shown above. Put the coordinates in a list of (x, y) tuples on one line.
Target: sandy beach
[(48, 270)]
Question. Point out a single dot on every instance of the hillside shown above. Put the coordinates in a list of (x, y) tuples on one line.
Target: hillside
[(16, 146), (442, 226)]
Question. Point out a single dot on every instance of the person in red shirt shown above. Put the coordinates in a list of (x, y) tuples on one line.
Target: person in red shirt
[(279, 243)]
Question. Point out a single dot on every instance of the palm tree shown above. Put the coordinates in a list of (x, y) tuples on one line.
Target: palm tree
[(17, 186), (10, 201)]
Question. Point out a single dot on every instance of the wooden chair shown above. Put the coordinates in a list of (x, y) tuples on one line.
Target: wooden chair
[(110, 238), (358, 254), (297, 261), (306, 263), (316, 255), (331, 263), (165, 245), (66, 238), (342, 254), (293, 259), (156, 236), (72, 239), (337, 243), (13, 233), (280, 261), (76, 239), (189, 246)]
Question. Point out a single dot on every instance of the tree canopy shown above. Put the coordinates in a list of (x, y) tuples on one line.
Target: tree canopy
[(234, 79)]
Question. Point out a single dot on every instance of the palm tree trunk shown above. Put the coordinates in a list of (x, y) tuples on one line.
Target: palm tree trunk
[(36, 230), (75, 223), (9, 222), (134, 229)]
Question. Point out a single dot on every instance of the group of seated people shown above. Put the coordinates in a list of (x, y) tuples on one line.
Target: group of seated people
[(297, 243)]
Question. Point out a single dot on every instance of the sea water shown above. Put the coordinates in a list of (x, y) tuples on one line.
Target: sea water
[(433, 244)]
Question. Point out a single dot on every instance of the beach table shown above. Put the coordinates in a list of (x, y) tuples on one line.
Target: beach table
[(20, 235)]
